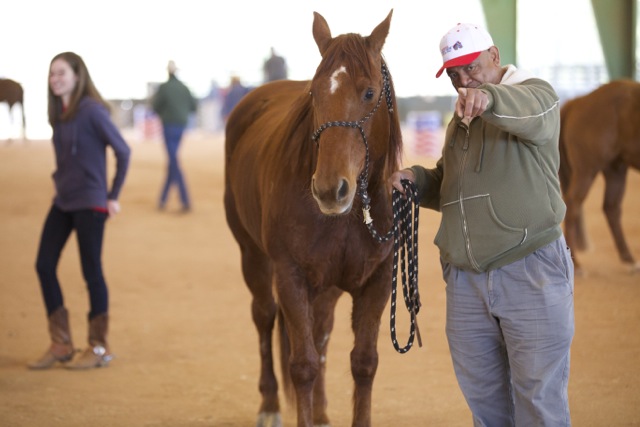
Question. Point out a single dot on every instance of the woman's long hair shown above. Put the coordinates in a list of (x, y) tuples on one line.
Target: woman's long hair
[(84, 87)]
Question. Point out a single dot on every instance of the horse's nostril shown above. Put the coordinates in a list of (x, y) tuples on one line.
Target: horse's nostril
[(343, 190)]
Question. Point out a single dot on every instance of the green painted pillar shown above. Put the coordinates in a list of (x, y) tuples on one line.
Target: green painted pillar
[(616, 21), (502, 25)]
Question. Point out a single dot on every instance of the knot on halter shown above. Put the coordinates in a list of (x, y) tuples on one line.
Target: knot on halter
[(357, 124)]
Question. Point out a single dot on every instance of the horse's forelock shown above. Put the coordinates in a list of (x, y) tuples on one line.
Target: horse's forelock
[(349, 50)]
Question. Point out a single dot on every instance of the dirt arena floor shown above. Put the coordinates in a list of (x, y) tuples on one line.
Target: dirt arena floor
[(185, 346)]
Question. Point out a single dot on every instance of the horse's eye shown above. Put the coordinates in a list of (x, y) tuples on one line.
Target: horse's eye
[(369, 95)]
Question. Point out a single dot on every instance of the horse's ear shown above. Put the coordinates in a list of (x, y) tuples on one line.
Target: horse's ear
[(321, 32), (379, 34)]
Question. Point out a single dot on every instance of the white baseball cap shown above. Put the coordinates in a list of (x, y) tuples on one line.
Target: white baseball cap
[(462, 45)]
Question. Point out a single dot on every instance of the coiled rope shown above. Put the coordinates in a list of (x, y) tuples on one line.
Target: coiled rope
[(406, 212)]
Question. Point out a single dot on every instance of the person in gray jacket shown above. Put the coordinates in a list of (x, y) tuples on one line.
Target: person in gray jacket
[(507, 267)]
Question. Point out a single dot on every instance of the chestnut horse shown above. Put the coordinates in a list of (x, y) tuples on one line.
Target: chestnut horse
[(11, 92), (299, 157), (600, 132)]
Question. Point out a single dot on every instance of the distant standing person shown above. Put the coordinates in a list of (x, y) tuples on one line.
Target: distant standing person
[(232, 96), (275, 67), (173, 102), (83, 201)]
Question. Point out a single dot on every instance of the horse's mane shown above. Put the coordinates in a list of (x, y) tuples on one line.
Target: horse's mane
[(303, 150)]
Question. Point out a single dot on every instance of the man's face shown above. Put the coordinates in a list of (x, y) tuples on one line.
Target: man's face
[(485, 69)]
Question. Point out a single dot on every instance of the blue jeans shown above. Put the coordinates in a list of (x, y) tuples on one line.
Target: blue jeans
[(172, 138), (509, 333), (89, 226)]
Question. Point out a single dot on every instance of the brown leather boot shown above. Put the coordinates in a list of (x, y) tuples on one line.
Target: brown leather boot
[(97, 354), (61, 348)]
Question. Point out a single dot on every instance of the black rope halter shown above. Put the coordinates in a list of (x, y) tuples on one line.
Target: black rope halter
[(405, 224)]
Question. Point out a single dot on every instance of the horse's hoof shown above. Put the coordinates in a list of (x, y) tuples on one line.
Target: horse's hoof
[(269, 419)]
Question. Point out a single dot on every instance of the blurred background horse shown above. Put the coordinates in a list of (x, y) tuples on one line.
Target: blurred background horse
[(600, 133), (300, 157), (12, 93)]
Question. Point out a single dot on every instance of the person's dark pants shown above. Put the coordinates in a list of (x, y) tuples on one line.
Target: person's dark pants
[(172, 138), (89, 226)]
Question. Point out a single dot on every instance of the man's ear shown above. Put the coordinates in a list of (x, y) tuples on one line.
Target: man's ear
[(495, 55)]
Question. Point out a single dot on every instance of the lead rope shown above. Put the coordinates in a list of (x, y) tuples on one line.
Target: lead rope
[(404, 230), (406, 211)]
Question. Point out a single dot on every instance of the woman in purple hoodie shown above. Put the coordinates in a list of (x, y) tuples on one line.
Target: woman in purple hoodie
[(82, 130)]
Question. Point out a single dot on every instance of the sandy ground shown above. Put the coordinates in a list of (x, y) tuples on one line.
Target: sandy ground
[(185, 346)]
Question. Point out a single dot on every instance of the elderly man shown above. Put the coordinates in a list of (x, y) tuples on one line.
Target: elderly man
[(507, 268)]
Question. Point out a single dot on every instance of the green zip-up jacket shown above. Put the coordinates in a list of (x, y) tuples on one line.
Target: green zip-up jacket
[(496, 183), (173, 102)]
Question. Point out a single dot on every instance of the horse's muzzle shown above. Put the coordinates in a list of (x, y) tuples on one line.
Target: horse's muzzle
[(335, 199)]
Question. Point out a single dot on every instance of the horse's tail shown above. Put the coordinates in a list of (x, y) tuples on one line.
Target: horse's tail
[(285, 353), (564, 174)]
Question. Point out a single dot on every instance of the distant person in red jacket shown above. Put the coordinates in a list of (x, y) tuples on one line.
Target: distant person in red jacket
[(83, 201)]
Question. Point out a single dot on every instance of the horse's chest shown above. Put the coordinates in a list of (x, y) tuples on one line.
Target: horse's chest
[(324, 250), (340, 256)]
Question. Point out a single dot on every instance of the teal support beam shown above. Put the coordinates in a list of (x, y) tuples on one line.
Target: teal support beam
[(501, 24), (616, 21)]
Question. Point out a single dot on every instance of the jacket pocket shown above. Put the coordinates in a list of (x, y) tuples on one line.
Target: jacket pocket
[(72, 178), (472, 234)]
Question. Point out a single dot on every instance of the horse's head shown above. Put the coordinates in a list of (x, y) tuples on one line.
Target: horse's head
[(352, 98)]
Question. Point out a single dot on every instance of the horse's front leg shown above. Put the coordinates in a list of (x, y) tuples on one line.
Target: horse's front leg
[(257, 272), (368, 306), (304, 361), (324, 314)]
